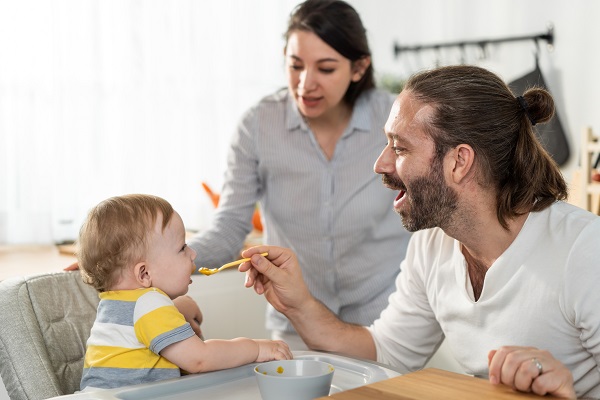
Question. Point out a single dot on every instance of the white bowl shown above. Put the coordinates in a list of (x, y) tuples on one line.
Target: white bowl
[(294, 379)]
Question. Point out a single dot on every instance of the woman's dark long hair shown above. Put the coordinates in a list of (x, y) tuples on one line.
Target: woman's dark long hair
[(338, 24)]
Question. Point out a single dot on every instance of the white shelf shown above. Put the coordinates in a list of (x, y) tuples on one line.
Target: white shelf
[(590, 190), (593, 147), (594, 188)]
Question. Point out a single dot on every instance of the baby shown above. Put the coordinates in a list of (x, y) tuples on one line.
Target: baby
[(132, 250)]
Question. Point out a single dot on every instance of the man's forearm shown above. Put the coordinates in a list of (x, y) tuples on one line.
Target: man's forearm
[(323, 330)]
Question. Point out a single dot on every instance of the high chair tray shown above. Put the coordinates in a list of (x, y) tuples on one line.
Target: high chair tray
[(240, 383)]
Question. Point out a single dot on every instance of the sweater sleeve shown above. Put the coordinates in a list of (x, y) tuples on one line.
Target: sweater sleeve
[(407, 333), (582, 296), (224, 239)]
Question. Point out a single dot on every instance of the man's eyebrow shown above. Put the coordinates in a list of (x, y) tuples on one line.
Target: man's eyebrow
[(403, 141), (392, 136)]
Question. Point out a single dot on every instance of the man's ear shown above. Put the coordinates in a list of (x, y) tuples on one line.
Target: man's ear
[(461, 162), (359, 67), (142, 275)]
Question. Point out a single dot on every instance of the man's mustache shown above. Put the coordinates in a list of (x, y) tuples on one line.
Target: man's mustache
[(393, 182)]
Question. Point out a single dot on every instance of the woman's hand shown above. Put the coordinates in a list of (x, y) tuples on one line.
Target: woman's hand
[(72, 267), (530, 370)]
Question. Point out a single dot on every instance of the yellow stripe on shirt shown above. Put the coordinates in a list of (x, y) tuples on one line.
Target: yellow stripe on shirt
[(156, 322)]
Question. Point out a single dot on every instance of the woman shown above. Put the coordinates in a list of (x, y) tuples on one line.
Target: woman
[(306, 154)]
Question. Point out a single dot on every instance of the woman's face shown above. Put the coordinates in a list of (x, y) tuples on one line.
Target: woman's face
[(318, 76)]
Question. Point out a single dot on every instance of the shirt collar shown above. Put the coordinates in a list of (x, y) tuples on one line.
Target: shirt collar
[(360, 120)]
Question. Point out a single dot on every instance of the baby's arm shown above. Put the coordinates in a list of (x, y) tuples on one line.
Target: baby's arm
[(194, 355), (191, 312)]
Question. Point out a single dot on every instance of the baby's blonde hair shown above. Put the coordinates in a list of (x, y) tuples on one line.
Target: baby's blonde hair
[(115, 236)]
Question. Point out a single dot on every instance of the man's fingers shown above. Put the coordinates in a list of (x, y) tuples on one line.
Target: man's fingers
[(490, 356), (264, 266)]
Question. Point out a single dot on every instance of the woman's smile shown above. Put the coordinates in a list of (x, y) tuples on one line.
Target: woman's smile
[(311, 101)]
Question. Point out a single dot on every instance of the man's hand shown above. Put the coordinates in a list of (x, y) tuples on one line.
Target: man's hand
[(530, 370), (278, 277)]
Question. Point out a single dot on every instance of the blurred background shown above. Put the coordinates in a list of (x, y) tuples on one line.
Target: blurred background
[(106, 97)]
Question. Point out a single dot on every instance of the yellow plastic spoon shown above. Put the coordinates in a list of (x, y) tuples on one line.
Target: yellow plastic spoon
[(211, 271)]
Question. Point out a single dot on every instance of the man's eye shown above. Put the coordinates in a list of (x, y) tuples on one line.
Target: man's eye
[(398, 150)]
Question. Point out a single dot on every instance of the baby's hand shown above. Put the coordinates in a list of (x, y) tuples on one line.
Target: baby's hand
[(273, 350)]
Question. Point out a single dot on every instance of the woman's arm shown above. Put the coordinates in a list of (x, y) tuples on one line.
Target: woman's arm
[(232, 221)]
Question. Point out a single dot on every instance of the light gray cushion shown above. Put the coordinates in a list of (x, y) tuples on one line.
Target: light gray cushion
[(45, 321)]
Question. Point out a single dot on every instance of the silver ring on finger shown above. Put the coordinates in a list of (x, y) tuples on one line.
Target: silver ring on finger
[(538, 365)]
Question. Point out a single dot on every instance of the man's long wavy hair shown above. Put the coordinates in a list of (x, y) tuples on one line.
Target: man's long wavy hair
[(474, 106)]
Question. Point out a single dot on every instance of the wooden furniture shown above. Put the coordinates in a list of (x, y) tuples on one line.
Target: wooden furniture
[(590, 145), (432, 384), (24, 260)]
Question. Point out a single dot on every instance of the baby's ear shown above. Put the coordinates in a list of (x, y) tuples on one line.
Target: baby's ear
[(141, 274)]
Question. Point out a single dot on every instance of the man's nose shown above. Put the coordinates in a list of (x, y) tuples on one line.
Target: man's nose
[(385, 162)]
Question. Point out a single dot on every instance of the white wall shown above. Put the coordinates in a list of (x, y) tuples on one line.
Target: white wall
[(571, 69), (59, 59), (229, 309)]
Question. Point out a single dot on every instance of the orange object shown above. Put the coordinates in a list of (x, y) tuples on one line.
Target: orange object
[(214, 197), (256, 220)]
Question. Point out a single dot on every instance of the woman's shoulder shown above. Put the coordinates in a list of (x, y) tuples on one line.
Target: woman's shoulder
[(382, 94), (277, 98), (274, 103), (377, 100)]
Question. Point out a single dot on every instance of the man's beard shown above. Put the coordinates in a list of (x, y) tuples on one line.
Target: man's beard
[(431, 202)]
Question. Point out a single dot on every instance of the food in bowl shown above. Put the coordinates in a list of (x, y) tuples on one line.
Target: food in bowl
[(294, 379)]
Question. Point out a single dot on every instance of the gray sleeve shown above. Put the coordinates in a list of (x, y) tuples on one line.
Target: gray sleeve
[(222, 241)]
